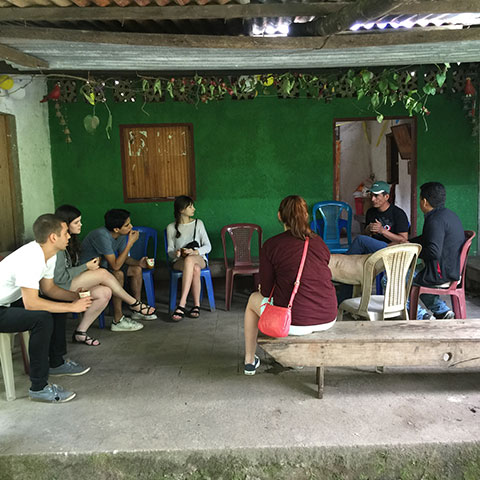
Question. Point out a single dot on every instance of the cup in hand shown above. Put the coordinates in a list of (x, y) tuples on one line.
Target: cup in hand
[(151, 262)]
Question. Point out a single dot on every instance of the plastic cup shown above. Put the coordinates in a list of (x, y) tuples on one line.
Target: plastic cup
[(151, 262), (84, 294)]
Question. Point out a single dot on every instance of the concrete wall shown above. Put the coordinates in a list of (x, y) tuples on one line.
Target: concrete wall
[(249, 155), (33, 141)]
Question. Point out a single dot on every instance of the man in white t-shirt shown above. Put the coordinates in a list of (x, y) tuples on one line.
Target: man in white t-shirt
[(22, 274)]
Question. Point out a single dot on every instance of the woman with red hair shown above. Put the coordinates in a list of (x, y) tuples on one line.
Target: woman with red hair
[(315, 305)]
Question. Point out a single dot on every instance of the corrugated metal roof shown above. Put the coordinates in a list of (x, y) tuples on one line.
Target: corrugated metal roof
[(87, 56)]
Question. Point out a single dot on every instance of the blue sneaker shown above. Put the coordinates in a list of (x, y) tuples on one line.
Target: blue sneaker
[(251, 368), (52, 394), (70, 368)]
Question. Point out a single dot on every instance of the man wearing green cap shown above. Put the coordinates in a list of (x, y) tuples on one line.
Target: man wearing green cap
[(386, 223)]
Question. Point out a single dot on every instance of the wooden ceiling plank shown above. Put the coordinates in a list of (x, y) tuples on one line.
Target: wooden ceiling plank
[(343, 19), (190, 12), (341, 41), (12, 55)]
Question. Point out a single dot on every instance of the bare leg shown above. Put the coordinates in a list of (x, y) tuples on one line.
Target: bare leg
[(134, 272), (252, 314), (196, 284), (188, 265), (117, 301), (101, 276), (101, 296)]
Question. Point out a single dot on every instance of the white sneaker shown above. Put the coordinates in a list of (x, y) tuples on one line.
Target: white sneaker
[(141, 316), (126, 324)]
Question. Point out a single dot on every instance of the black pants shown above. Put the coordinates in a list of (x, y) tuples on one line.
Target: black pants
[(47, 338)]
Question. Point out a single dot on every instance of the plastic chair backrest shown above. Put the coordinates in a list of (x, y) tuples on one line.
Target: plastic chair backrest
[(469, 236), (241, 235), (140, 247), (399, 263), (331, 213)]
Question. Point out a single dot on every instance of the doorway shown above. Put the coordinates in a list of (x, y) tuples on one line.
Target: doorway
[(11, 217), (366, 151)]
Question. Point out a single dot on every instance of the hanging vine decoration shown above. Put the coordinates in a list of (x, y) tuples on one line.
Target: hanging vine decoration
[(383, 89)]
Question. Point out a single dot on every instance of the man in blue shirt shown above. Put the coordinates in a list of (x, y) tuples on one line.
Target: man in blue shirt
[(112, 243)]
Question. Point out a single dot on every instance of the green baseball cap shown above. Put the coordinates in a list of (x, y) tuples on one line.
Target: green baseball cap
[(380, 187)]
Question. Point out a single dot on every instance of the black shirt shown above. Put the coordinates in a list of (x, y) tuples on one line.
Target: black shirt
[(442, 240), (393, 219)]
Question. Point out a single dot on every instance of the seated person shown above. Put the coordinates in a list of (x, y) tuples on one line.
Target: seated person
[(188, 245), (442, 239), (385, 223), (71, 275), (22, 274), (112, 243), (315, 306)]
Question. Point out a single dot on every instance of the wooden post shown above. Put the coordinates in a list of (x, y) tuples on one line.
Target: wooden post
[(320, 381)]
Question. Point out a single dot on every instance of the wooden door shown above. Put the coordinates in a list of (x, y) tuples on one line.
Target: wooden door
[(9, 226)]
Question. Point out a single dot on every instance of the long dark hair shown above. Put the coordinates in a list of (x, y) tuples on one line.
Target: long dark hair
[(294, 214), (68, 213), (181, 203)]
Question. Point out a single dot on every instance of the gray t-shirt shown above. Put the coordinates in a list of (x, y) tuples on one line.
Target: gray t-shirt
[(99, 242)]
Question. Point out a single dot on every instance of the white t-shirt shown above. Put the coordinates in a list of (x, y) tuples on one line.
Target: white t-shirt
[(23, 268)]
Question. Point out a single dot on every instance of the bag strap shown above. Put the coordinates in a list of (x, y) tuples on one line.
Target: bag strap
[(195, 229), (300, 271), (299, 275)]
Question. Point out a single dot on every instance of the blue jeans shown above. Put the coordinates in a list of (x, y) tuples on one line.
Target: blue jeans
[(430, 300), (364, 244)]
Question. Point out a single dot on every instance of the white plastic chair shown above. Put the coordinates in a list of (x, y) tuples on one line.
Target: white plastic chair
[(399, 263), (6, 340)]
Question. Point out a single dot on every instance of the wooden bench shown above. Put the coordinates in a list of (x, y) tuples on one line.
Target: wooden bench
[(418, 343)]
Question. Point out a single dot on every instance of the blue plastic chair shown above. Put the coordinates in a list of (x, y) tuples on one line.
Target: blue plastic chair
[(139, 250), (175, 275), (329, 224)]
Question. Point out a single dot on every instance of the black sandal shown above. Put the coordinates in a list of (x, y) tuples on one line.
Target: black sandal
[(178, 312), (194, 312), (87, 341), (143, 310)]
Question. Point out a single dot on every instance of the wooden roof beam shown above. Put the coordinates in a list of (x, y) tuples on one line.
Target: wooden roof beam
[(343, 19), (190, 12), (16, 57), (342, 41)]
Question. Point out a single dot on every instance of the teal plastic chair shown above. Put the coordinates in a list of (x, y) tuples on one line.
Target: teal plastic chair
[(328, 223)]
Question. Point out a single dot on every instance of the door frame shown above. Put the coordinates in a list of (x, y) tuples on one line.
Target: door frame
[(413, 160), (15, 185)]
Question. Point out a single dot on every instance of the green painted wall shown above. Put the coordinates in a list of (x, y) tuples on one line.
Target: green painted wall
[(249, 155)]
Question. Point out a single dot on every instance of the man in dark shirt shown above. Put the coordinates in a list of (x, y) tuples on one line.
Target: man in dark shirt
[(442, 239), (386, 223)]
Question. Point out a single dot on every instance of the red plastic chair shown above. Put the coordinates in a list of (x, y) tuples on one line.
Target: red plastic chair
[(456, 289), (241, 235)]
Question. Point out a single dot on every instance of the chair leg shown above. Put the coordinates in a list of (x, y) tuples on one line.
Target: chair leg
[(149, 287), (101, 320), (414, 302), (320, 381), (458, 304), (210, 293), (24, 341), (173, 293), (7, 365), (228, 289)]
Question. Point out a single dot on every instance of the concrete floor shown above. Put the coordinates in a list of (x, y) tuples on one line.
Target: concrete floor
[(180, 387)]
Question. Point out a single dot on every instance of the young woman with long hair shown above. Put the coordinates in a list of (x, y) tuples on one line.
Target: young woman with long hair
[(315, 305), (88, 276), (188, 245)]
